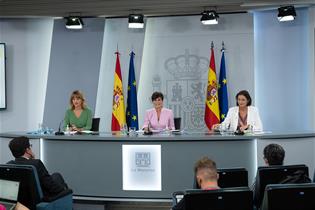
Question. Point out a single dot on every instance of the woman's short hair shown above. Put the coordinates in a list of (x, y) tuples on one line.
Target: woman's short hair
[(77, 94), (157, 95), (244, 93)]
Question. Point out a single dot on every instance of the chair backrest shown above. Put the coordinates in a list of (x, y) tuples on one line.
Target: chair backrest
[(221, 199), (274, 175), (177, 122), (95, 124), (233, 177), (289, 197), (30, 192), (230, 177)]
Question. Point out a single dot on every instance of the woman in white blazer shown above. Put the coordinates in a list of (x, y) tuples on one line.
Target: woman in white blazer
[(243, 116)]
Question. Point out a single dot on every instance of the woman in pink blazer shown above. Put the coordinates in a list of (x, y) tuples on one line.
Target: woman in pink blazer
[(158, 118)]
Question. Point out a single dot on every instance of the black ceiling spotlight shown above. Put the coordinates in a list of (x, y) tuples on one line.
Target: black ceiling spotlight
[(209, 17), (135, 21), (286, 13), (73, 22)]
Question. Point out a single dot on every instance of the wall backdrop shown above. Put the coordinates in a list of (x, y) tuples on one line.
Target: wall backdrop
[(45, 63)]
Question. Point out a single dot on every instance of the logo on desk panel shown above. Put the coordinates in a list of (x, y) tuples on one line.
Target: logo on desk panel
[(143, 159)]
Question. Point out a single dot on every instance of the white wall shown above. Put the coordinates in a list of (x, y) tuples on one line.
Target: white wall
[(117, 35), (28, 50), (311, 29), (284, 78), (168, 37), (176, 62)]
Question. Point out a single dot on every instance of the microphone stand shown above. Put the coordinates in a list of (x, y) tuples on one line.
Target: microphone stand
[(59, 132)]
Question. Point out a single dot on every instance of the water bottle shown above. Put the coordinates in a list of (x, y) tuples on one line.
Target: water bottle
[(67, 129)]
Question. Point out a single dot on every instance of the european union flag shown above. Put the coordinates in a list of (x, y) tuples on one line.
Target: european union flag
[(132, 107), (223, 95)]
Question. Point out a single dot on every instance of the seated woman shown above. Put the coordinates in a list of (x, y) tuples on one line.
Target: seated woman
[(243, 116), (78, 117), (158, 118)]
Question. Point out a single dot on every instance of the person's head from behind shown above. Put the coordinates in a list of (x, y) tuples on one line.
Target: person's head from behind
[(274, 154), (243, 99), (157, 100), (77, 100), (206, 173), (20, 146)]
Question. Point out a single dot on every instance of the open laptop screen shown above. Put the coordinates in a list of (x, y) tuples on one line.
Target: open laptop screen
[(9, 190)]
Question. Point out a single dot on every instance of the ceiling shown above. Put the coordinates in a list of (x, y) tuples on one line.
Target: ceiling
[(119, 8)]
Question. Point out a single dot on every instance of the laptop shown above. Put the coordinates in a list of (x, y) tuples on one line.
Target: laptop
[(9, 191)]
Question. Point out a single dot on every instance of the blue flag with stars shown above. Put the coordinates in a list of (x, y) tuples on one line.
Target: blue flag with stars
[(223, 95), (132, 105)]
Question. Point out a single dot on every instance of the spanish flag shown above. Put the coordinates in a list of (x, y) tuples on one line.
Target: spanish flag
[(118, 114), (212, 113)]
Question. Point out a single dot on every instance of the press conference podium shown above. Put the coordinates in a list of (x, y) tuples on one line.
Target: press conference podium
[(240, 198)]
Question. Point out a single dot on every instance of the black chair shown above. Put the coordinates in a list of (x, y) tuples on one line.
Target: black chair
[(30, 191), (240, 198), (289, 197), (177, 122), (95, 124), (273, 175), (230, 177)]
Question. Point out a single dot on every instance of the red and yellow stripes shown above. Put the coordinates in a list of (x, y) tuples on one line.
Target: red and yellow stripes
[(212, 113), (118, 113)]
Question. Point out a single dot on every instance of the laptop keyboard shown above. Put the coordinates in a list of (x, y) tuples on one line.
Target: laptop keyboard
[(8, 206)]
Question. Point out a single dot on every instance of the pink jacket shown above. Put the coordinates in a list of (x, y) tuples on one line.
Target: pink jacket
[(166, 119)]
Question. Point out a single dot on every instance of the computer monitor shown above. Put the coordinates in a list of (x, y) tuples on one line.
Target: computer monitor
[(289, 197), (221, 199), (230, 177)]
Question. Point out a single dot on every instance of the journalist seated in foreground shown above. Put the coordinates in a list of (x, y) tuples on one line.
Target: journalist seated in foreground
[(78, 117), (158, 118), (243, 116), (21, 149)]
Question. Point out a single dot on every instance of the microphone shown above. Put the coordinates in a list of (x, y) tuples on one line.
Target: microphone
[(148, 132), (59, 132)]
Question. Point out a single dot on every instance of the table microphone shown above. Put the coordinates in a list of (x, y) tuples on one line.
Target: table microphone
[(59, 132)]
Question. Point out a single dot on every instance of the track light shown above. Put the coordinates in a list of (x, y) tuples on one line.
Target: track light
[(209, 17), (135, 21), (286, 13), (74, 23)]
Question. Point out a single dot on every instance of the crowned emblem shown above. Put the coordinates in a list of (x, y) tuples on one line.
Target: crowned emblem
[(212, 92), (186, 66), (186, 87), (117, 97)]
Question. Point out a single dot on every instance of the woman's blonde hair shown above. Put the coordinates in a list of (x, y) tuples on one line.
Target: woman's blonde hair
[(77, 94)]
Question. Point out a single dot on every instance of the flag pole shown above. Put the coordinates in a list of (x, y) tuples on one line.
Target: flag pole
[(223, 47)]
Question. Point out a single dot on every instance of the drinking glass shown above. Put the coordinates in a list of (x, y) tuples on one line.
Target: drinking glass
[(132, 131), (124, 129)]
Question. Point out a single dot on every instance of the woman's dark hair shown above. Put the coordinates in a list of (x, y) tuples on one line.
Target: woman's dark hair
[(156, 95), (244, 93)]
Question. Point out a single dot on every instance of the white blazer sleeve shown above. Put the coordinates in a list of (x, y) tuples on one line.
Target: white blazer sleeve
[(255, 120)]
